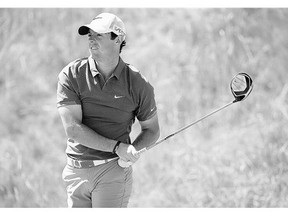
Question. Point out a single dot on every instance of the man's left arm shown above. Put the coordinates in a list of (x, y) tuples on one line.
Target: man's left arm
[(149, 134)]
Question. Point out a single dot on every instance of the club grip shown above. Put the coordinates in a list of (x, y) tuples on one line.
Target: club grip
[(126, 164)]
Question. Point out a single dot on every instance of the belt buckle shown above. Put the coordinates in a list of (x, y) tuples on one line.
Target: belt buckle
[(76, 165), (99, 162)]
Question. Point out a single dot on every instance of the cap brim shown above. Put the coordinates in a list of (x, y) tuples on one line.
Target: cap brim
[(83, 30)]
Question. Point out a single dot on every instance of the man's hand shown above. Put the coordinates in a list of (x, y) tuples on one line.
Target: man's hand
[(127, 152)]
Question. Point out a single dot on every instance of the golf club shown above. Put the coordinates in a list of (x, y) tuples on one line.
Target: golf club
[(241, 86)]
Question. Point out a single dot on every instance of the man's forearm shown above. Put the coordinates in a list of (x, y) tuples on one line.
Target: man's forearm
[(146, 138), (86, 136)]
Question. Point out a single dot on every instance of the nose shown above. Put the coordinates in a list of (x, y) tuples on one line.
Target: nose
[(92, 39)]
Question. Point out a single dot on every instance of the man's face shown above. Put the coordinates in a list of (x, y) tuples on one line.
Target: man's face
[(100, 43)]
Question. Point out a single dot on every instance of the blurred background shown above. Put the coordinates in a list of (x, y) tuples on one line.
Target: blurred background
[(236, 158)]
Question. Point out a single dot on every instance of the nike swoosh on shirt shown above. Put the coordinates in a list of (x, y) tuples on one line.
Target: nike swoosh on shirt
[(120, 96)]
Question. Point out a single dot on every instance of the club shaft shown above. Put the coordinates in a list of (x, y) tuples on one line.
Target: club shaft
[(193, 123)]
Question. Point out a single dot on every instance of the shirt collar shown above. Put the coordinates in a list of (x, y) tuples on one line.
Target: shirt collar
[(92, 66), (116, 72)]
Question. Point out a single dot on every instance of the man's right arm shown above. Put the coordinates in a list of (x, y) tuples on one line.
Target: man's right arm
[(71, 116)]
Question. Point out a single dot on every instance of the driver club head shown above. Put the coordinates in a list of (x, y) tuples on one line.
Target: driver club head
[(241, 86)]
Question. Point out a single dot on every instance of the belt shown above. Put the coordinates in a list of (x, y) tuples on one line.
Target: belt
[(86, 163)]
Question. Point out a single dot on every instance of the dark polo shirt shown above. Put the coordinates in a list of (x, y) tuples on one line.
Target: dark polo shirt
[(109, 108)]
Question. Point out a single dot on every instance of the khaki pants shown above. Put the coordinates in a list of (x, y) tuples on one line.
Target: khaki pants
[(106, 185)]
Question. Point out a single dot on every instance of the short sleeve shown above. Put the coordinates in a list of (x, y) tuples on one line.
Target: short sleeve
[(67, 89), (147, 104)]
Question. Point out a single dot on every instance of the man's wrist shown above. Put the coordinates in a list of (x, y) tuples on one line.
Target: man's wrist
[(116, 147)]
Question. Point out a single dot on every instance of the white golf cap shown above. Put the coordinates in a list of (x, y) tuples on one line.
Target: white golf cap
[(104, 23)]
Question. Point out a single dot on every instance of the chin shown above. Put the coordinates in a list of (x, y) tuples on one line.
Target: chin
[(94, 53)]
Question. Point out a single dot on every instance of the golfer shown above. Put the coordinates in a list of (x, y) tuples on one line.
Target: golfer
[(98, 99)]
